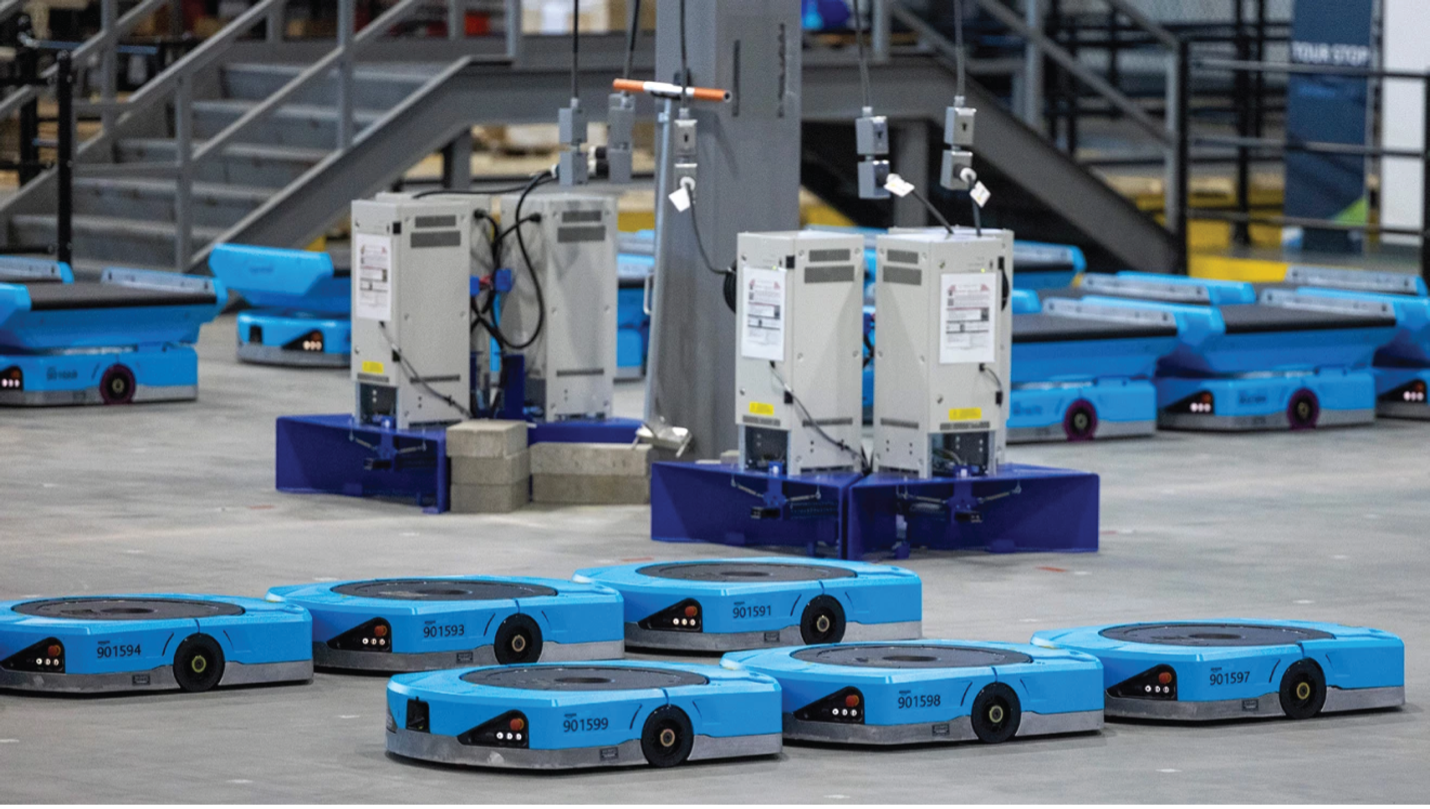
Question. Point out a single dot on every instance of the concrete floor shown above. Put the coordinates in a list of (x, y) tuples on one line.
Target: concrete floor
[(1327, 526)]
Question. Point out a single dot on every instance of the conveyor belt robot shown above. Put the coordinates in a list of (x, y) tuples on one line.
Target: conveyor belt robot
[(1240, 669), (1245, 361), (573, 716), (721, 605), (1402, 366), (303, 304), (127, 337), (1085, 373), (151, 642), (923, 691), (396, 625)]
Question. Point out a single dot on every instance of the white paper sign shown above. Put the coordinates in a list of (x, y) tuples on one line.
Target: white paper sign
[(968, 312), (372, 276), (763, 336)]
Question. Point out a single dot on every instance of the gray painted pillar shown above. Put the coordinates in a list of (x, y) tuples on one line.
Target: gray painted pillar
[(457, 161), (748, 180), (911, 161)]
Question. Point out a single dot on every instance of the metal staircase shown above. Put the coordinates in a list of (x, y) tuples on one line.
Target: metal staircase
[(268, 141)]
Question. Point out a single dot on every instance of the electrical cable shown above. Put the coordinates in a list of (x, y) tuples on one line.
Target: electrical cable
[(863, 58), (632, 31), (857, 455), (544, 177), (929, 205), (413, 376), (977, 215), (469, 191), (996, 381)]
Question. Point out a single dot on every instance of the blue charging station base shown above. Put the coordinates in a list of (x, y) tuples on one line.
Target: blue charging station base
[(708, 502), (1022, 508), (335, 454)]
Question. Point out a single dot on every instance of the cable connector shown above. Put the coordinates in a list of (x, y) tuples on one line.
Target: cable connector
[(620, 128), (871, 141), (572, 168)]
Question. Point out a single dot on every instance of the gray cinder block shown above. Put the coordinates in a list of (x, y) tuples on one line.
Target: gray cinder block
[(477, 499), (590, 489), (486, 438), (605, 460), (497, 471)]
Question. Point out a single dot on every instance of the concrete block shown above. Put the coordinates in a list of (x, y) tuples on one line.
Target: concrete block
[(605, 460), (486, 438), (476, 499), (606, 490), (503, 471)]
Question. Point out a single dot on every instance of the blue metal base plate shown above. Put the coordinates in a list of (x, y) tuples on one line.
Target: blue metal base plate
[(573, 716), (607, 431), (1022, 508), (334, 454), (151, 642), (922, 691), (430, 623), (698, 502), (1237, 668)]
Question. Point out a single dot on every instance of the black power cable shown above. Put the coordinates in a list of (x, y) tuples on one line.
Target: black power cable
[(544, 177), (863, 60), (632, 31)]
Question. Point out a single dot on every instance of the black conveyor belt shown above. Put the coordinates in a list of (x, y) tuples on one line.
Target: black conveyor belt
[(1050, 328), (1250, 318), (84, 295)]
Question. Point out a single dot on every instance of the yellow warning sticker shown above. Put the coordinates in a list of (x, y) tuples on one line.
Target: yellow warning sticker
[(373, 367), (762, 409), (966, 414)]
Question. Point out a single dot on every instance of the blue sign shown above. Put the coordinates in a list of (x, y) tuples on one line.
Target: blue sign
[(1328, 109)]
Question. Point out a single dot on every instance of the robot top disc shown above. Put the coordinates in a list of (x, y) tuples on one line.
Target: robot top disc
[(1213, 634), (439, 589), (583, 678), (910, 656), (125, 608), (733, 571)]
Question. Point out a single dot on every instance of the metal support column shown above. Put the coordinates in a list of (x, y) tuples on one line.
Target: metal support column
[(273, 26), (457, 162), (456, 19), (513, 30), (1241, 231), (64, 158), (1178, 183), (1032, 97), (108, 62), (184, 175), (748, 158), (911, 159), (881, 19), (346, 21)]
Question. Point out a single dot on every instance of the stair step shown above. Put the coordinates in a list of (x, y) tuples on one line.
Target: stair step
[(306, 125), (374, 87), (113, 240), (253, 165), (213, 204)]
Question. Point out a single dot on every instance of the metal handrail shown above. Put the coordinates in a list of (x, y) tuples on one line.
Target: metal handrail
[(104, 40)]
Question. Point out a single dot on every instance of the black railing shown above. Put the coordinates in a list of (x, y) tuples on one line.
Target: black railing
[(28, 165), (1246, 143)]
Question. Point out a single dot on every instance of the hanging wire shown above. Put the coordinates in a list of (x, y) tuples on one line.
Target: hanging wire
[(863, 58)]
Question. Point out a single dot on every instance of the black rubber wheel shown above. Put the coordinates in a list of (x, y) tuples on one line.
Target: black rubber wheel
[(667, 737), (1303, 689), (996, 713), (518, 640), (198, 663), (1081, 421), (117, 385), (823, 621), (1304, 411)]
